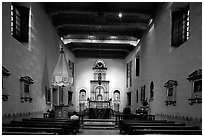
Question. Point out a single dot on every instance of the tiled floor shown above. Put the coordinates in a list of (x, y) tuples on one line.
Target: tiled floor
[(98, 132)]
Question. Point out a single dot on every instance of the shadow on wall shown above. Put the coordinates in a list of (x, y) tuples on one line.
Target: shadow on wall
[(45, 78)]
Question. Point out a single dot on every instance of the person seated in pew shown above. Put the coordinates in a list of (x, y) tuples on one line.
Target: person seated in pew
[(51, 113), (74, 116)]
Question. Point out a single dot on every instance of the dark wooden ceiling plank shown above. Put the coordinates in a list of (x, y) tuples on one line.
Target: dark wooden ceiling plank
[(101, 46), (99, 54), (101, 19), (98, 49), (101, 28), (130, 7)]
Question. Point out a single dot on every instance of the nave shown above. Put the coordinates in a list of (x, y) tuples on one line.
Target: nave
[(123, 124), (123, 68)]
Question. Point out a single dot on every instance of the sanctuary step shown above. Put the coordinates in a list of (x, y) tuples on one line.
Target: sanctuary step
[(99, 124)]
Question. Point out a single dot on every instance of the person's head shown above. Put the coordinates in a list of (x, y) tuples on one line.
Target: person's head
[(74, 113)]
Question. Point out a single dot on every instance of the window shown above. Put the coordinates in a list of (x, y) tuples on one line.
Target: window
[(129, 98), (142, 94), (129, 74), (180, 26), (19, 22), (151, 90), (26, 82), (137, 96), (137, 66)]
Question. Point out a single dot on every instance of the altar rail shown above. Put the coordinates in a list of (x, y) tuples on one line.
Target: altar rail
[(119, 117)]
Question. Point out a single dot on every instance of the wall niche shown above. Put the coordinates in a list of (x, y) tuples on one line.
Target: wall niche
[(26, 89), (171, 92), (5, 74), (195, 79)]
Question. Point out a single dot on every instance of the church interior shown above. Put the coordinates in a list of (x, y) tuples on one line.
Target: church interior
[(125, 68)]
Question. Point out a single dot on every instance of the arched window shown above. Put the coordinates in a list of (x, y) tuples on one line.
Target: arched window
[(116, 95), (82, 95)]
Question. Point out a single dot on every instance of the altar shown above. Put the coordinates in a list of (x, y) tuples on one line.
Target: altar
[(99, 109), (99, 102)]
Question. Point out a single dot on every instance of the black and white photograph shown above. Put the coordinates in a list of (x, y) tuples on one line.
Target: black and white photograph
[(101, 68)]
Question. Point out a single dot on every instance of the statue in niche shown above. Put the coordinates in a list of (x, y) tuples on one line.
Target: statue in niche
[(99, 78)]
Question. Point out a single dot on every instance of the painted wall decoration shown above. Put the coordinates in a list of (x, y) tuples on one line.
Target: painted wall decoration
[(170, 86), (26, 88), (5, 74), (196, 87)]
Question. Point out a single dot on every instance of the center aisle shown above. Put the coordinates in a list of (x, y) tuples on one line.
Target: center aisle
[(98, 132), (99, 127)]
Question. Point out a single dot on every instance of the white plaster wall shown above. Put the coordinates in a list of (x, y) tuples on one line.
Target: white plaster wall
[(115, 74), (36, 59), (160, 63)]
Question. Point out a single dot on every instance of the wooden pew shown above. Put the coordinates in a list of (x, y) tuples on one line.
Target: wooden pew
[(74, 123), (133, 129), (124, 128), (123, 124), (147, 121), (54, 119), (119, 117), (33, 129), (67, 128), (168, 132), (27, 133)]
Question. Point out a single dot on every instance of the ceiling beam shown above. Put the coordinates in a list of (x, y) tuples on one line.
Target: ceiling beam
[(99, 54), (101, 27), (65, 32), (101, 37), (98, 49), (73, 13), (99, 46), (108, 7)]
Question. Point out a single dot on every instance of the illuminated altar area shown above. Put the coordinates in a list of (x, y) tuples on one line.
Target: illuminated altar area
[(99, 103)]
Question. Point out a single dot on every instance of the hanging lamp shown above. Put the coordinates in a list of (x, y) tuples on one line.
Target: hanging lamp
[(61, 74)]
